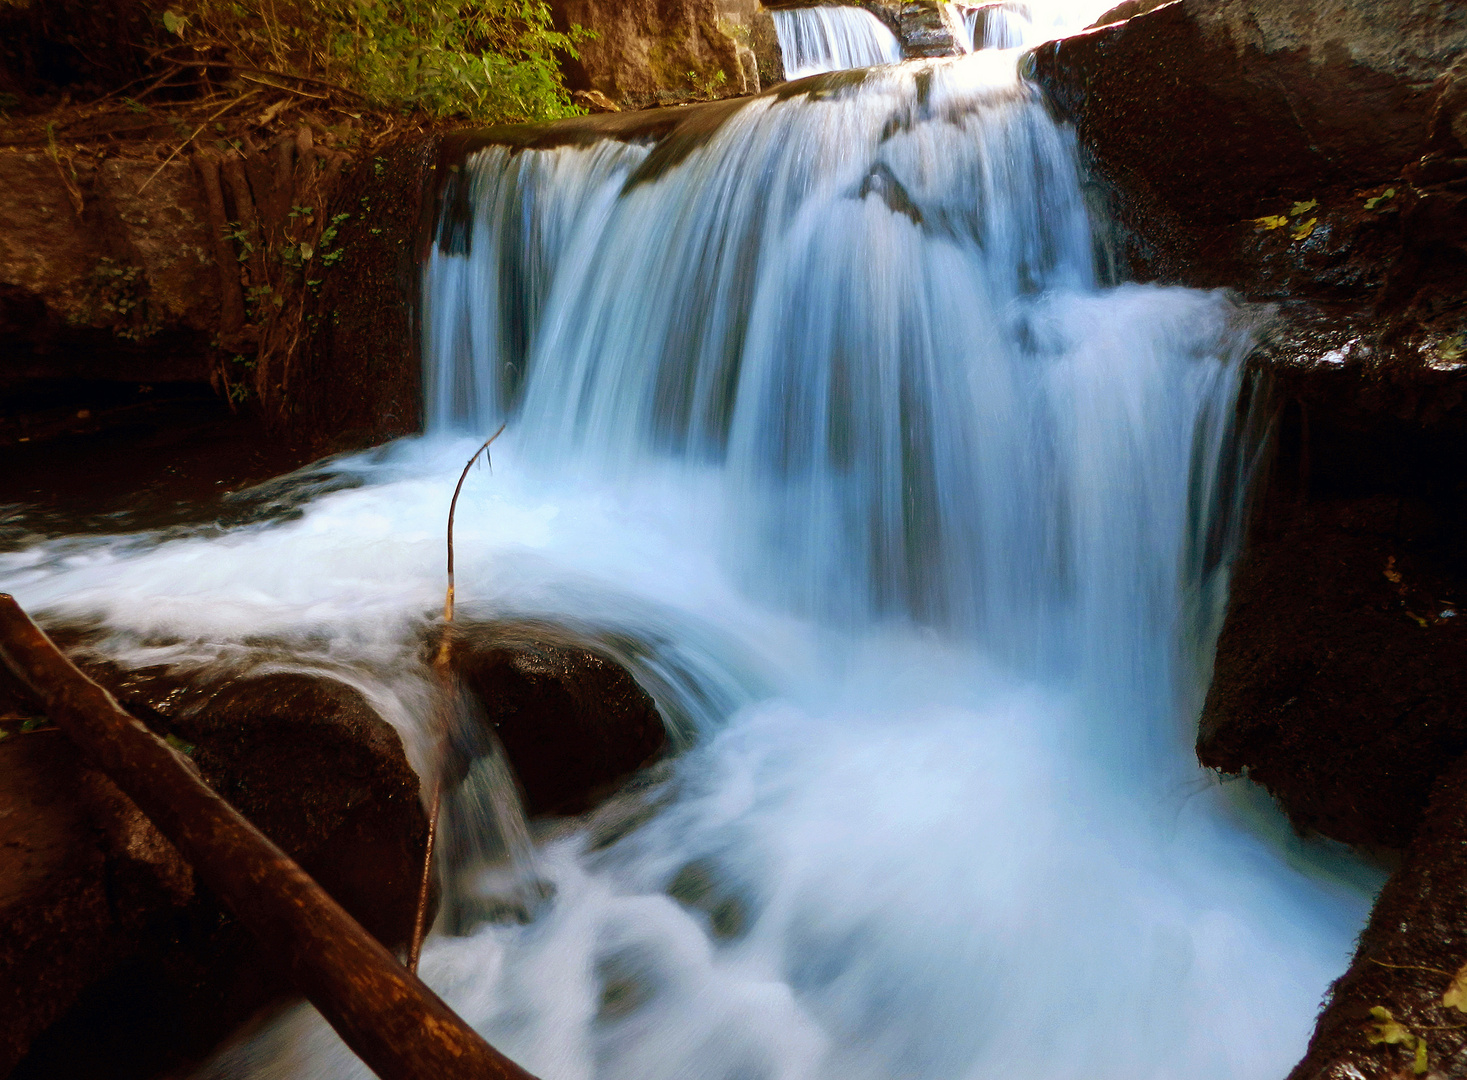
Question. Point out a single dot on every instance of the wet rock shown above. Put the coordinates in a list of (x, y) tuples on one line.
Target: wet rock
[(1416, 939), (594, 101), (1342, 665), (131, 968), (573, 723), (1125, 10), (99, 280), (928, 29), (1218, 106), (1240, 143)]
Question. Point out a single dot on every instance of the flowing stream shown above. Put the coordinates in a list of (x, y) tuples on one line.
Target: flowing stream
[(920, 534)]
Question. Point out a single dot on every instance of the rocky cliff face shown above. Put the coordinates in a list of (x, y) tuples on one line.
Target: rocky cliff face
[(106, 270), (1313, 157), (649, 52)]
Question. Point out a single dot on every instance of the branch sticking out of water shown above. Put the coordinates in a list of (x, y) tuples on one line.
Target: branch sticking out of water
[(445, 675), (452, 509)]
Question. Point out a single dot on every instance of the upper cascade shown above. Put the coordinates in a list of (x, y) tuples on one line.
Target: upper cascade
[(832, 299), (815, 40)]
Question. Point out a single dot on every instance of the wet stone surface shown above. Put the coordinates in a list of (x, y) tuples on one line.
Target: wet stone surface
[(118, 963)]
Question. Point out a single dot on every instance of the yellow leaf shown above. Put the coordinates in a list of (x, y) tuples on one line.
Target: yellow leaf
[(1386, 196), (1391, 573), (1271, 222), (1306, 229), (1456, 995), (1419, 1066), (1303, 207), (1389, 1030)]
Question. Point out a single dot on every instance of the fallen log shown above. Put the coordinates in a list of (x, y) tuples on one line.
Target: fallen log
[(388, 1017)]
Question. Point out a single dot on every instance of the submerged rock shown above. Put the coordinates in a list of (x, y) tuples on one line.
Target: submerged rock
[(573, 723), (117, 963)]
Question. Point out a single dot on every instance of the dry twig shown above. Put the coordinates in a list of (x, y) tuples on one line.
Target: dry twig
[(440, 667)]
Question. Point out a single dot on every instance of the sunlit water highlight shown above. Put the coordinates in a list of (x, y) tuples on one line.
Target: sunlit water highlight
[(818, 39), (924, 533)]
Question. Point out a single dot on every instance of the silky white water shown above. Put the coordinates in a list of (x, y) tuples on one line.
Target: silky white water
[(818, 39), (921, 532)]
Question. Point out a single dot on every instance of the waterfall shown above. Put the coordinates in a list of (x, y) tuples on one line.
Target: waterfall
[(917, 525), (819, 39), (1005, 25)]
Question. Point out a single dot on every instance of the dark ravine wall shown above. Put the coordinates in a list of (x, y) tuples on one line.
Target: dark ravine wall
[(1194, 119), (98, 281), (360, 371), (1313, 157)]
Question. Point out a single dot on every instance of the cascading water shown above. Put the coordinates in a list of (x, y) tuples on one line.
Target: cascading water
[(815, 40), (922, 533), (997, 26)]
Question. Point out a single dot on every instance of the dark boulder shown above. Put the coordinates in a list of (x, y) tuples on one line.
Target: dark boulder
[(573, 723), (1309, 155), (1200, 117), (1219, 106), (1125, 10), (117, 964)]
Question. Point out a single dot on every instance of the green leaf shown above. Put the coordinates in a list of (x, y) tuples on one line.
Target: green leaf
[(1419, 1066), (33, 723), (174, 24), (1300, 208)]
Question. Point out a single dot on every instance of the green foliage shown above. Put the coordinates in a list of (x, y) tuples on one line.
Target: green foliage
[(707, 86), (483, 59), (490, 61)]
